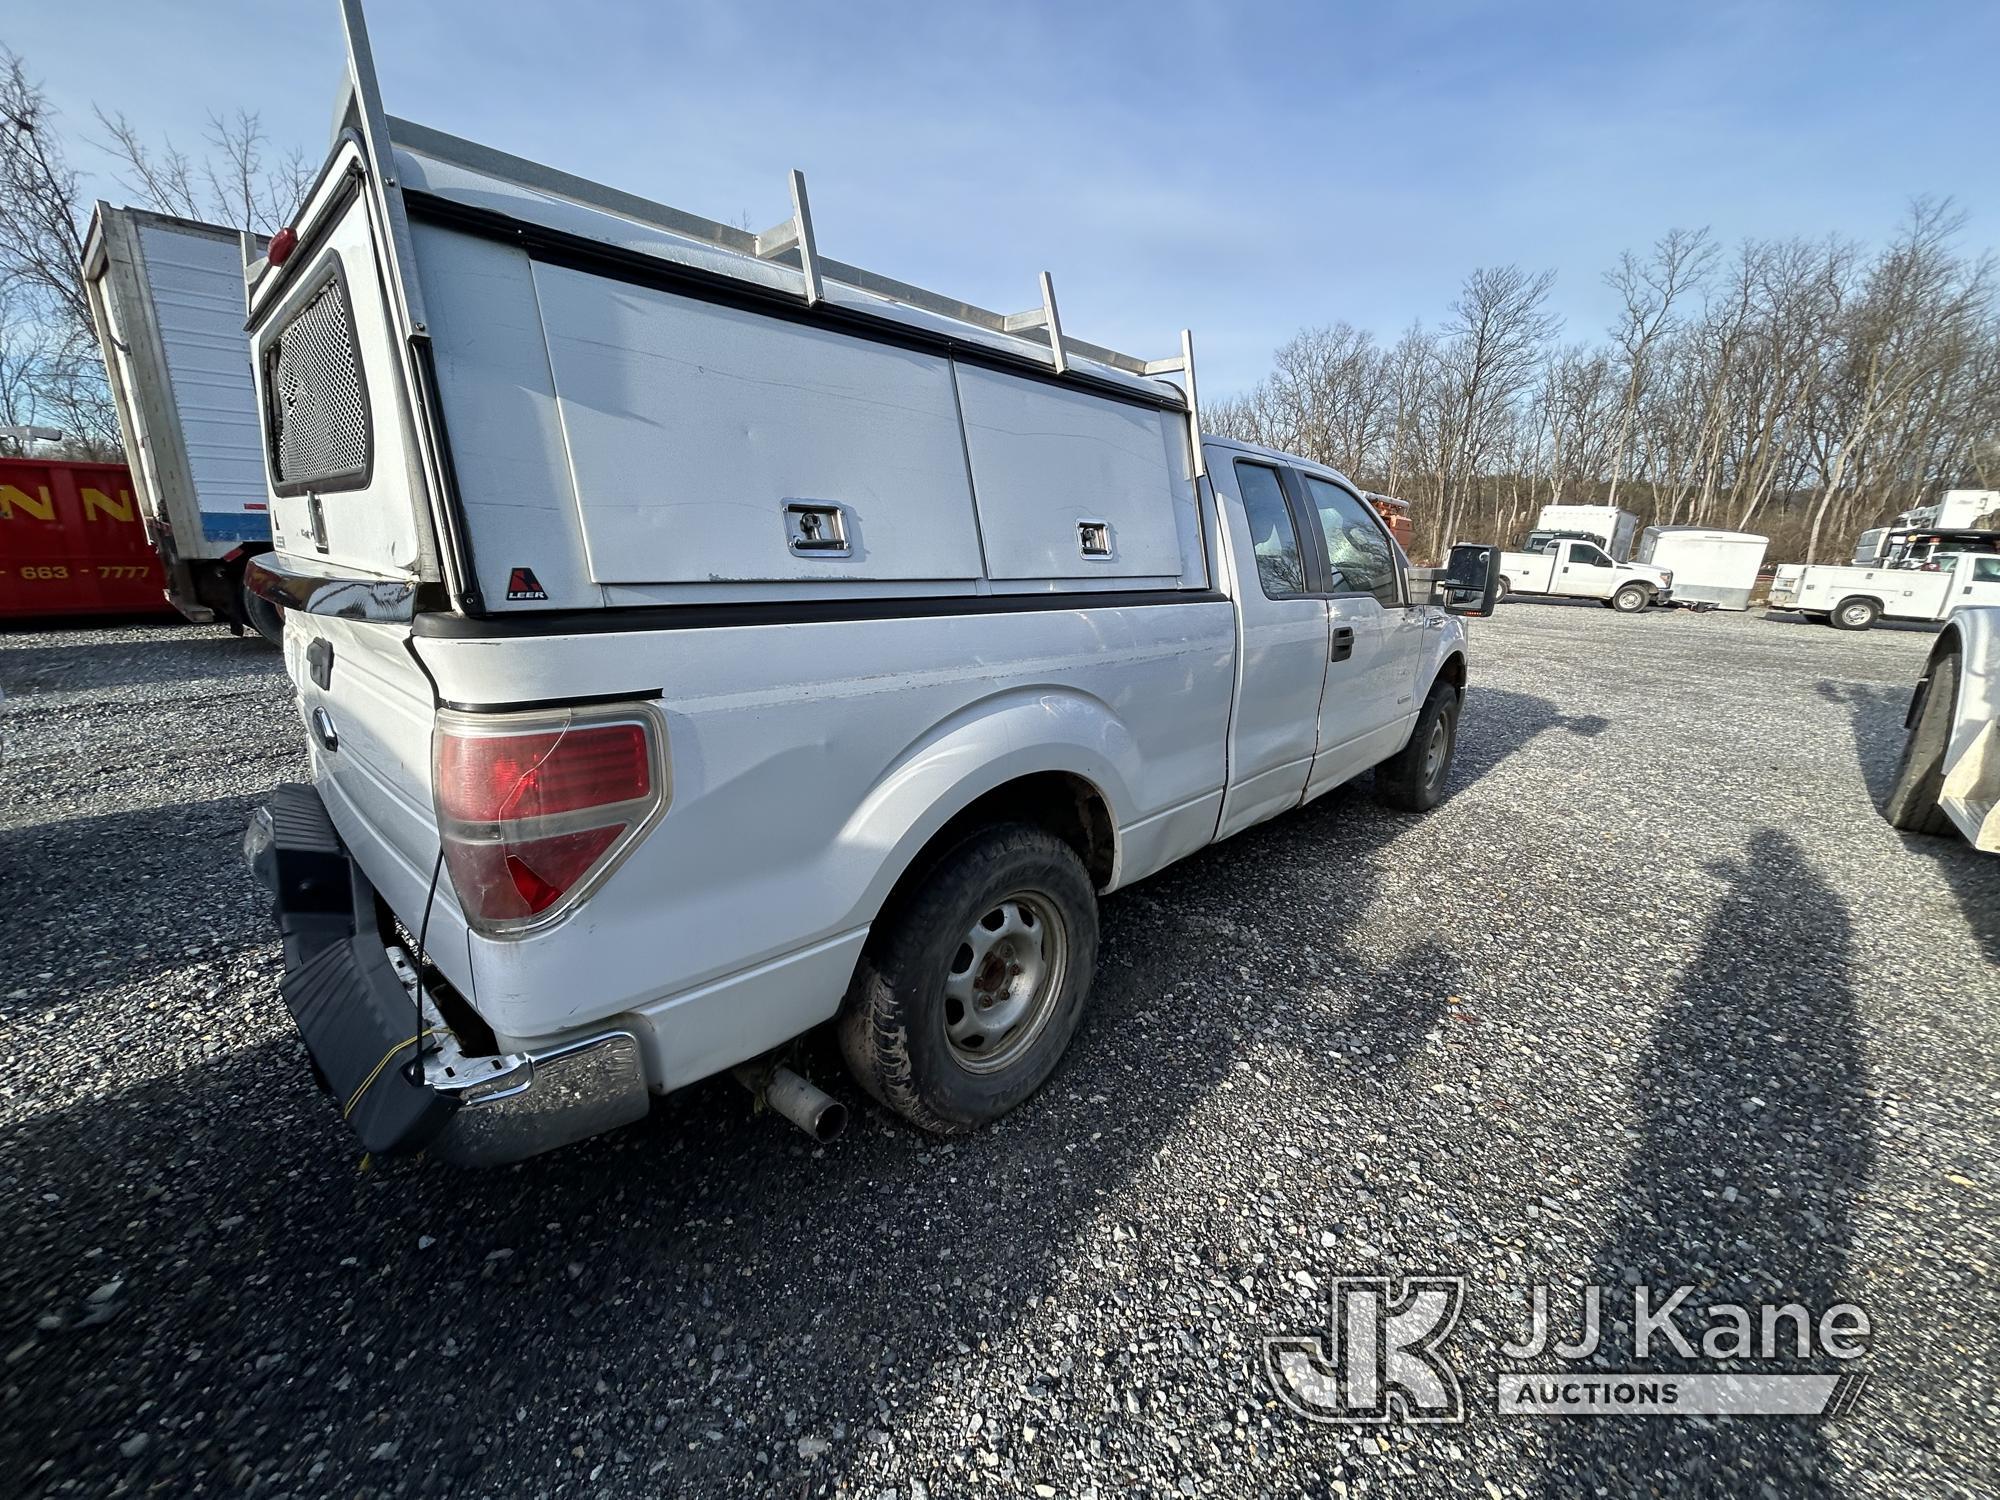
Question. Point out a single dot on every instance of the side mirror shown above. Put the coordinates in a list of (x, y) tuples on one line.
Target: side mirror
[(1469, 583)]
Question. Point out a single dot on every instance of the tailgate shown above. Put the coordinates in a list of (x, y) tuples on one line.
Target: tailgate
[(369, 710), (353, 540)]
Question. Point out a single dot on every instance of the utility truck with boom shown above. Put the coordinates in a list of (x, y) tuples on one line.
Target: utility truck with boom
[(699, 639), (1850, 598)]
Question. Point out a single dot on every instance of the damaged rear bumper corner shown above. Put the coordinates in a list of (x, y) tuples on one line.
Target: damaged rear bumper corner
[(388, 1059)]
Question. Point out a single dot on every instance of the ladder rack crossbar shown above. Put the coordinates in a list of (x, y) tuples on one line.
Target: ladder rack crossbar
[(790, 242)]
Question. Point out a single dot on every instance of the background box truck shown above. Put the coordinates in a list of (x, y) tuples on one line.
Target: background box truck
[(1611, 528), (71, 542), (166, 296)]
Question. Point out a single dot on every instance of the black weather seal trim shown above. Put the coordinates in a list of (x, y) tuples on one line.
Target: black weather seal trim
[(648, 617), (308, 248), (457, 526), (531, 705)]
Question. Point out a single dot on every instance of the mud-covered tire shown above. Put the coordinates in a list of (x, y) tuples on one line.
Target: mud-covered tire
[(896, 1024), (1856, 613), (1414, 778), (1630, 599), (1912, 803)]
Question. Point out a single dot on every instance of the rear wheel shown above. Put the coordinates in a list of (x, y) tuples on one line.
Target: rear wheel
[(967, 995), (1413, 779), (1502, 590), (1630, 599), (1854, 614), (1912, 803)]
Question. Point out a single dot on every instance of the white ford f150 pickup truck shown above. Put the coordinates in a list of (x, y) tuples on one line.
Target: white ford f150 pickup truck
[(700, 640), (1572, 569)]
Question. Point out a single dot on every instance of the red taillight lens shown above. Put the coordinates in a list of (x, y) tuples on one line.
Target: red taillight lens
[(282, 244), (536, 774), (533, 808)]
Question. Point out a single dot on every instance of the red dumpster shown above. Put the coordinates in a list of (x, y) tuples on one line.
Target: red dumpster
[(72, 542)]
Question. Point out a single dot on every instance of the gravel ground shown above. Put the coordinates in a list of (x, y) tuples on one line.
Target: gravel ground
[(1655, 996)]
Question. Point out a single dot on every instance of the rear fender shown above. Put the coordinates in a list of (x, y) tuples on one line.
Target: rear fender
[(979, 749)]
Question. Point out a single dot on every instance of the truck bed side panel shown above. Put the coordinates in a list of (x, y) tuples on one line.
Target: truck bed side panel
[(1903, 593), (809, 762)]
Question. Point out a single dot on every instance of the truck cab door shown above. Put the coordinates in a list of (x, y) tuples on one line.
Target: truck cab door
[(1585, 571), (1978, 581), (1375, 640), (1281, 644)]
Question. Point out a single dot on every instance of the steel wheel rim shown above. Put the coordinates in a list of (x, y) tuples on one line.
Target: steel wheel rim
[(1434, 752), (1629, 601), (1854, 614), (1002, 980)]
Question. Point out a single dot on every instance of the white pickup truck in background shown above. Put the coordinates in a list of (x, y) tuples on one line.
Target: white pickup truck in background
[(700, 640), (1849, 598), (1611, 527), (1571, 569)]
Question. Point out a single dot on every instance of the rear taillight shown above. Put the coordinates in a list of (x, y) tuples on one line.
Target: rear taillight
[(535, 809)]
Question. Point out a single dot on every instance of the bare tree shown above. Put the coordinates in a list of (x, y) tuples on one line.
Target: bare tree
[(50, 370), (1647, 291), (1495, 336), (50, 342), (240, 183), (1804, 387)]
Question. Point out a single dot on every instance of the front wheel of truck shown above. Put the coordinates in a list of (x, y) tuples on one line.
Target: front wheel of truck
[(1413, 778), (1912, 804), (969, 991)]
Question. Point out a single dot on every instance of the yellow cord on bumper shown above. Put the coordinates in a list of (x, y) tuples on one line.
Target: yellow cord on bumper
[(376, 1072)]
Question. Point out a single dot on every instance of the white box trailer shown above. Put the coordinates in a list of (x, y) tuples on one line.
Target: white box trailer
[(1709, 566), (166, 297)]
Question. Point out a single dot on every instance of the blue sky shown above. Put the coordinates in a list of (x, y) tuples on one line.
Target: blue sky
[(1242, 169)]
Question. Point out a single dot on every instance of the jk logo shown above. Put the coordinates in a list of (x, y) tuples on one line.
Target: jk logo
[(1379, 1362)]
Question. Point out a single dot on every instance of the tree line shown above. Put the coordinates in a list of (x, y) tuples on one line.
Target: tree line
[(51, 373), (1805, 389)]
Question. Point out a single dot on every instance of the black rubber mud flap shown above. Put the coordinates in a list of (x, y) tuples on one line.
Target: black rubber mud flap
[(358, 1021), (360, 1027)]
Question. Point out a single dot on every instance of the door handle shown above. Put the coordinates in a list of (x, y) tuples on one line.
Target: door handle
[(322, 723), (1343, 643)]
